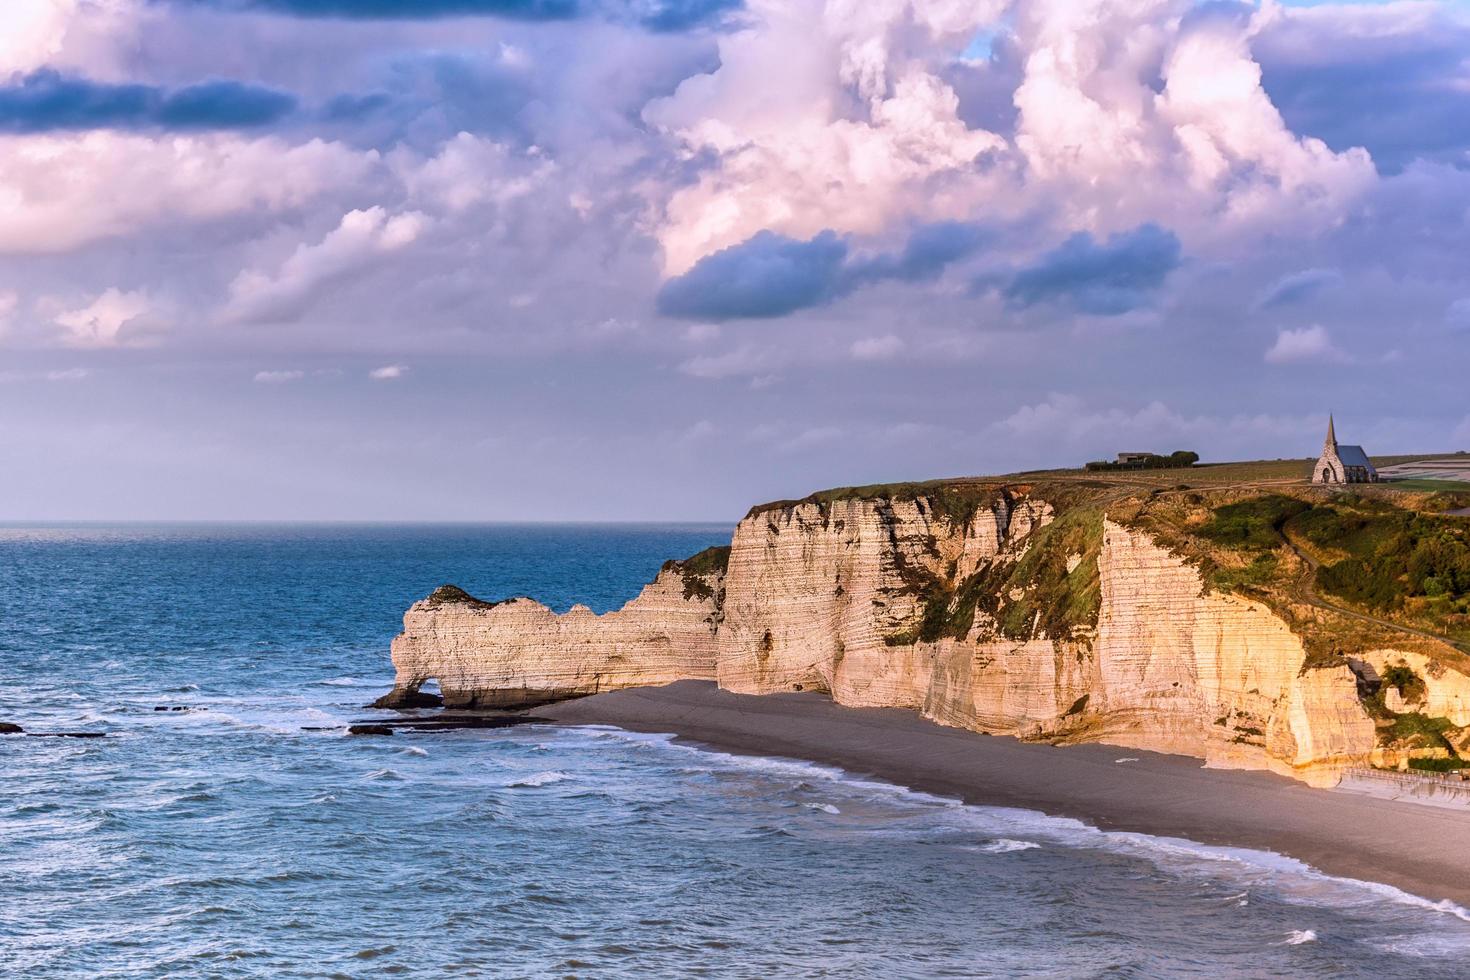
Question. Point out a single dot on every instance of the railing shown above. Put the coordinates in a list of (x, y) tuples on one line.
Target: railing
[(1411, 777)]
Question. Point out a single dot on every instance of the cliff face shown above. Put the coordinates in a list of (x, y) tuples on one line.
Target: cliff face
[(519, 653), (994, 610)]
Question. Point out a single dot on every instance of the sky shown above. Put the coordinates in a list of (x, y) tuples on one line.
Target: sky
[(664, 259)]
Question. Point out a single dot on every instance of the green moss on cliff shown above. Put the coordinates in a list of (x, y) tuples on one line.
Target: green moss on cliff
[(1052, 599), (699, 568), (1036, 593)]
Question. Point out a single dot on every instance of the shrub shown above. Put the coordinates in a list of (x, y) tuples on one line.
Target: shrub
[(1252, 525)]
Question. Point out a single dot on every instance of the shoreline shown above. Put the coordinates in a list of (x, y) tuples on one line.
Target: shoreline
[(1419, 849)]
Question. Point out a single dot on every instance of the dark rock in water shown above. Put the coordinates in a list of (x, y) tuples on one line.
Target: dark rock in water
[(6, 728), (176, 707), (67, 734), (451, 720), (369, 730), (408, 699)]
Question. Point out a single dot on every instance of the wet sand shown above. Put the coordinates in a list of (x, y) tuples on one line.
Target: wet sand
[(1422, 850)]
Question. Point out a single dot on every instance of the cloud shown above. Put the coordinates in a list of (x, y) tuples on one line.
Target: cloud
[(745, 361), (768, 276), (103, 322), (467, 171), (48, 100), (843, 117), (1391, 79), (929, 250), (390, 372), (1104, 279), (817, 118), (1298, 286), (278, 377), (882, 348), (1307, 345), (655, 15), (59, 192), (348, 250), (771, 275)]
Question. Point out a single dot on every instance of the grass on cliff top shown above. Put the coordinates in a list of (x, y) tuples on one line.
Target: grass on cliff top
[(957, 500), (453, 595), (1377, 552)]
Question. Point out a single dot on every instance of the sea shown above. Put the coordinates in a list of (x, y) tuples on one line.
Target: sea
[(247, 836)]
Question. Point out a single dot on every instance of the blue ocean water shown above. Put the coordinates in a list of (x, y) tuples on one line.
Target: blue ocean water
[(226, 841)]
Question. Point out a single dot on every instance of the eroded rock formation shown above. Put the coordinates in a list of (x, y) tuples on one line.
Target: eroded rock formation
[(986, 608)]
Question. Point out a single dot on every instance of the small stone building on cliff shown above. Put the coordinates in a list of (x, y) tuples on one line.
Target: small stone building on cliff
[(1342, 464)]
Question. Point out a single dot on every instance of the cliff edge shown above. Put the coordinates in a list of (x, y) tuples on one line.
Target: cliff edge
[(1065, 610)]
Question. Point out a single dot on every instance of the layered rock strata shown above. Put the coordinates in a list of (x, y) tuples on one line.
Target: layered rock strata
[(519, 653), (1001, 613)]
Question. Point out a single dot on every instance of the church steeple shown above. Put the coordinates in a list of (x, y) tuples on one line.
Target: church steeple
[(1331, 442)]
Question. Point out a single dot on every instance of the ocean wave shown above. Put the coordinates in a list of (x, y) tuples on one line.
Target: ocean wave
[(823, 807), (391, 775), (413, 750), (1005, 845), (345, 682), (1298, 937), (539, 779), (1298, 880)]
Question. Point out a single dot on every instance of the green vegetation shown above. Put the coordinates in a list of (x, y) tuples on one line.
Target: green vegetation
[(1065, 599), (451, 595), (1253, 525), (1438, 765), (1410, 685), (697, 568), (1421, 730), (1180, 459), (1432, 486), (957, 501), (1392, 556), (1259, 573)]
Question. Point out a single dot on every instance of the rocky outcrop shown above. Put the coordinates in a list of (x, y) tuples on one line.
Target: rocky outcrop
[(989, 608), (519, 653)]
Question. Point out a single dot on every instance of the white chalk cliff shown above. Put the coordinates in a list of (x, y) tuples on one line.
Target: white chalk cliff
[(907, 603)]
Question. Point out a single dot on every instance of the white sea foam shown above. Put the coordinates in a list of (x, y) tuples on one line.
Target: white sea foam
[(1299, 936), (1131, 758), (824, 807), (1298, 881), (539, 779), (1005, 845), (392, 775), (343, 682), (413, 750)]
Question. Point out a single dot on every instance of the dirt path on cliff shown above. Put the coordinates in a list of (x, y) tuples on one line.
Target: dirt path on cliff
[(1306, 591)]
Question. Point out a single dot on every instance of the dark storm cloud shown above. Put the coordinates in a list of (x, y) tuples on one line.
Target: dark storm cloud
[(929, 250), (1106, 279), (656, 15), (47, 100), (771, 275), (1297, 287)]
